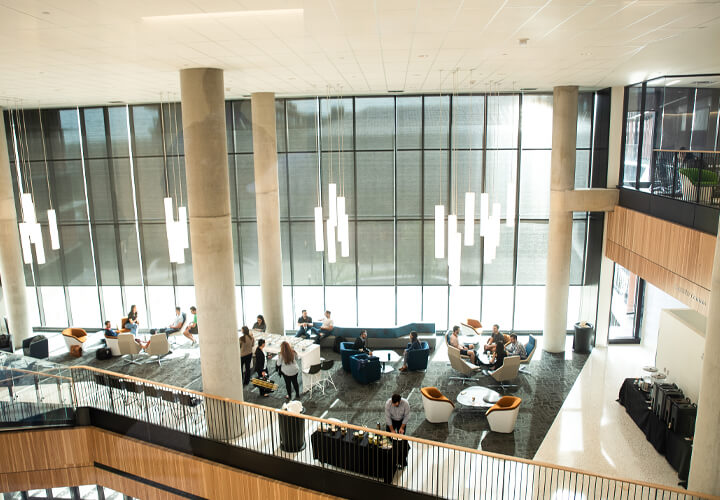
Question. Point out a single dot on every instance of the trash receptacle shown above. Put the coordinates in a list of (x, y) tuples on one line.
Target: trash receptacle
[(292, 429), (584, 338)]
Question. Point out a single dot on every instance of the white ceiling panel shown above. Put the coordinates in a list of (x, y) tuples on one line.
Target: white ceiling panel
[(65, 52)]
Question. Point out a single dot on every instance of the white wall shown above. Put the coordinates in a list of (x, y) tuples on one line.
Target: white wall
[(680, 348), (654, 302)]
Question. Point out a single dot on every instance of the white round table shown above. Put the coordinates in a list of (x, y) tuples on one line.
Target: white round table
[(478, 397)]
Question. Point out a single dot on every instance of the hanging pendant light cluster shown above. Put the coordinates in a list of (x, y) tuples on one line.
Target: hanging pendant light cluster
[(489, 221), (337, 224), (30, 229), (176, 229)]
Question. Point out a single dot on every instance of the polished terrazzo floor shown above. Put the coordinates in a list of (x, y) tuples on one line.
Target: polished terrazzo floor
[(543, 392)]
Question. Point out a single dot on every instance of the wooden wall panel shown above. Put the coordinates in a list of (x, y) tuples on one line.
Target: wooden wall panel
[(676, 259), (66, 457), (44, 449), (42, 479)]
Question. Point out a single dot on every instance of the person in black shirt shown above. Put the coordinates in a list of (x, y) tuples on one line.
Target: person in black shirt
[(305, 324), (132, 321), (498, 357), (414, 344), (361, 343), (260, 366)]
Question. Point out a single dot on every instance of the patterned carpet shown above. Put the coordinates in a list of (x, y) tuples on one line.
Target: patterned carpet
[(543, 392)]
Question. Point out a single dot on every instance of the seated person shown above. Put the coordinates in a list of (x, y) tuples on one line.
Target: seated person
[(326, 328), (515, 348), (192, 327), (361, 343), (109, 332), (465, 349), (414, 344), (132, 321), (494, 337), (305, 324), (260, 325), (498, 357), (176, 323)]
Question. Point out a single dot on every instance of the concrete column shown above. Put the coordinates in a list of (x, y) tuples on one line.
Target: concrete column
[(267, 203), (562, 179), (706, 448), (613, 178), (206, 168), (12, 272)]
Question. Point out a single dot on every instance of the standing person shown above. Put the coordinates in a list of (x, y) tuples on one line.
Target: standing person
[(247, 341), (192, 327), (287, 361), (260, 324), (326, 328), (361, 343), (176, 323), (397, 414), (132, 321), (413, 345), (260, 366), (305, 325)]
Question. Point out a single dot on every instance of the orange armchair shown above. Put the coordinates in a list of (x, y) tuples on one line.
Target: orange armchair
[(503, 414), (74, 336), (437, 407), (121, 328)]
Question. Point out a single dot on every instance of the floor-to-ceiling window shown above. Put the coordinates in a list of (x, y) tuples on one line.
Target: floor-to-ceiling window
[(393, 157)]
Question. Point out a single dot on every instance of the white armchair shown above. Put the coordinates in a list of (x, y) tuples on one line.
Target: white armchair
[(128, 347), (158, 346), (112, 344), (437, 407), (503, 414)]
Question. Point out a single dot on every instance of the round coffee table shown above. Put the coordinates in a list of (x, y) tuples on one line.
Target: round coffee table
[(478, 397)]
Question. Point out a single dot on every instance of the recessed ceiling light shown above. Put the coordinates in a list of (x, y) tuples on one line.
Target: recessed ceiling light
[(523, 41), (46, 13), (422, 56), (528, 89), (115, 102), (396, 91), (585, 54)]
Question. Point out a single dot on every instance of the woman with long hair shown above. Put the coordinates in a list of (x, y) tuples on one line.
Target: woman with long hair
[(260, 323), (260, 367), (247, 341), (132, 321), (287, 361)]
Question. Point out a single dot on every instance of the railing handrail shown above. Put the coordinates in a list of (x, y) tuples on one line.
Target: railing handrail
[(686, 151), (30, 372), (381, 432)]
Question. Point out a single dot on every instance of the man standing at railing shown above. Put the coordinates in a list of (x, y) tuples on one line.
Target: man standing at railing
[(397, 414)]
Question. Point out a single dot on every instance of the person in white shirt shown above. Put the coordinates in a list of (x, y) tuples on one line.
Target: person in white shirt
[(176, 324), (326, 328)]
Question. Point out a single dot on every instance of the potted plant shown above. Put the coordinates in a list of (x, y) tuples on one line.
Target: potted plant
[(692, 179)]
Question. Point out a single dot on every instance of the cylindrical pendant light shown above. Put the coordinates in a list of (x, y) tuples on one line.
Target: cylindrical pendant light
[(342, 232), (39, 249), (332, 204), (495, 226), (469, 219), (28, 208), (25, 242), (510, 220), (439, 231), (319, 247), (183, 228), (452, 229), (484, 213), (344, 236), (454, 256), (331, 252), (52, 225)]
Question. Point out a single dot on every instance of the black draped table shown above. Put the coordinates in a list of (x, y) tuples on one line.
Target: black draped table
[(358, 455), (677, 449)]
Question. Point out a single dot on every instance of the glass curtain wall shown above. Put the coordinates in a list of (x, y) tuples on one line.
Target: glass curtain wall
[(393, 157)]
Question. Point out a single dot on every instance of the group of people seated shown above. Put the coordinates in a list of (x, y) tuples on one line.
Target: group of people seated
[(132, 324), (307, 330), (499, 346)]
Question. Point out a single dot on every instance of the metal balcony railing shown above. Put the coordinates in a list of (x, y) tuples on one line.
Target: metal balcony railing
[(692, 176), (408, 463)]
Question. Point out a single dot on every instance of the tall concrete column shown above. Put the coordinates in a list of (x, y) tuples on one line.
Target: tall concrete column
[(12, 272), (706, 443), (208, 183), (267, 203), (562, 179)]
